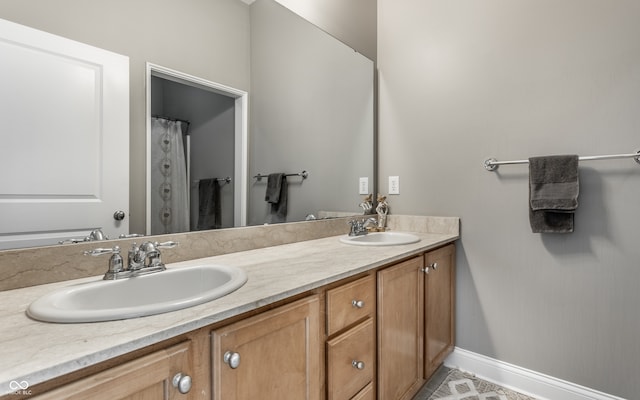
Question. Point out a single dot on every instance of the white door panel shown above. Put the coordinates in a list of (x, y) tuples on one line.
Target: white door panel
[(64, 138)]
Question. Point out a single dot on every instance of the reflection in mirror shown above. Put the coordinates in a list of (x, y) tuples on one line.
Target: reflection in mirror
[(311, 109), (192, 160), (64, 107), (304, 113)]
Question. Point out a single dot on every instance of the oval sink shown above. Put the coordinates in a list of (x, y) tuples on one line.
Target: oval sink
[(156, 293), (381, 239)]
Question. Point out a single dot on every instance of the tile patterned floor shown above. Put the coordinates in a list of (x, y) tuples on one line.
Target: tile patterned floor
[(452, 384)]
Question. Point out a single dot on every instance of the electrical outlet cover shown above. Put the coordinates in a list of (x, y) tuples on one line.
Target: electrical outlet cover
[(394, 185), (363, 188)]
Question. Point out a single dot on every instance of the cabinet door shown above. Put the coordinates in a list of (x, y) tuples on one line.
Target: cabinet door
[(439, 307), (147, 378), (276, 355), (400, 330), (365, 394)]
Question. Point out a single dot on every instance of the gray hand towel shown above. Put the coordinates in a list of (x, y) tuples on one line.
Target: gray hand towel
[(274, 186), (553, 193), (209, 206), (276, 195)]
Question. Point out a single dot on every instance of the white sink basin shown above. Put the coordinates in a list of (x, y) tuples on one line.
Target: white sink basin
[(381, 239), (170, 290)]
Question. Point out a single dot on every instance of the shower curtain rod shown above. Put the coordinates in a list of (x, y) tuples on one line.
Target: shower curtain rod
[(172, 119)]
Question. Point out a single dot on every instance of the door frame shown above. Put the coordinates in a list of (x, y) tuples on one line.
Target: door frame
[(241, 127)]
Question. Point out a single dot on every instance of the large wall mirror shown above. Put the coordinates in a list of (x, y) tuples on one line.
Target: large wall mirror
[(311, 98)]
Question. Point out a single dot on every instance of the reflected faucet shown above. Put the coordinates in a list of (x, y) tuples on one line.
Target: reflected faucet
[(95, 235)]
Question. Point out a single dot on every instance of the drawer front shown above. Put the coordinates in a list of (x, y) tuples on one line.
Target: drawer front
[(351, 361), (350, 303)]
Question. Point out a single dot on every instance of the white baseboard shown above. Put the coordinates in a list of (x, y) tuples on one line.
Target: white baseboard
[(535, 384)]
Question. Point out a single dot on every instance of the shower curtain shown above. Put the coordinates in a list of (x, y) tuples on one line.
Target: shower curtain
[(169, 186)]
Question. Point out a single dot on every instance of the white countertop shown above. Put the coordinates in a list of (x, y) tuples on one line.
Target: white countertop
[(35, 351)]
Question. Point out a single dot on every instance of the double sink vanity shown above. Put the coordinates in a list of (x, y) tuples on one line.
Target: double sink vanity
[(329, 317)]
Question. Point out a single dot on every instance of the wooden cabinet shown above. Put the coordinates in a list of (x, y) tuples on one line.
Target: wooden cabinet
[(416, 321), (400, 330), (368, 393), (351, 348), (439, 307), (386, 333), (147, 378), (274, 355)]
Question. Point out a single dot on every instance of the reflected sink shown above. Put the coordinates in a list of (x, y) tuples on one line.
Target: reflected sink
[(381, 239), (170, 290)]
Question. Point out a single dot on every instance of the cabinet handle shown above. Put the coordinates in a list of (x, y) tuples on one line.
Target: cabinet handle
[(232, 359), (357, 303), (182, 383), (433, 266), (357, 364)]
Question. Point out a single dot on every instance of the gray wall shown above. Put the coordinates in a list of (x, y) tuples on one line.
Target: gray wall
[(327, 91), (353, 21), (461, 81), (204, 38)]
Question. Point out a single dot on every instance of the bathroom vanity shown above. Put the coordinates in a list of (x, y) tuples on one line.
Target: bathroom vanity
[(318, 319)]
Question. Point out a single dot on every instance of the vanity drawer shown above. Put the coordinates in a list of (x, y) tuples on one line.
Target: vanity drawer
[(350, 303), (351, 361)]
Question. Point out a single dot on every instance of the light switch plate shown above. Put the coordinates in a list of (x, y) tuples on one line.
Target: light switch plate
[(363, 188), (394, 185)]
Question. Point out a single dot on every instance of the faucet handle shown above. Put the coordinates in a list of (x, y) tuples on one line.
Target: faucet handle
[(102, 251), (116, 263), (166, 245), (129, 235)]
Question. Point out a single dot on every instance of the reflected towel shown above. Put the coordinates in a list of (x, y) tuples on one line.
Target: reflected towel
[(276, 196), (209, 206), (553, 193)]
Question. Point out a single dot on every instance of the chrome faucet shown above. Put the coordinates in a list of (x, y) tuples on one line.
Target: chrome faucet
[(147, 256), (359, 227), (141, 260)]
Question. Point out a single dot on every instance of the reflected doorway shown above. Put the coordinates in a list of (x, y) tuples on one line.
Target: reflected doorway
[(196, 130)]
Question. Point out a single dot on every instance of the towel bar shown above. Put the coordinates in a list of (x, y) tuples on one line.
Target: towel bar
[(225, 180), (303, 174), (491, 164)]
